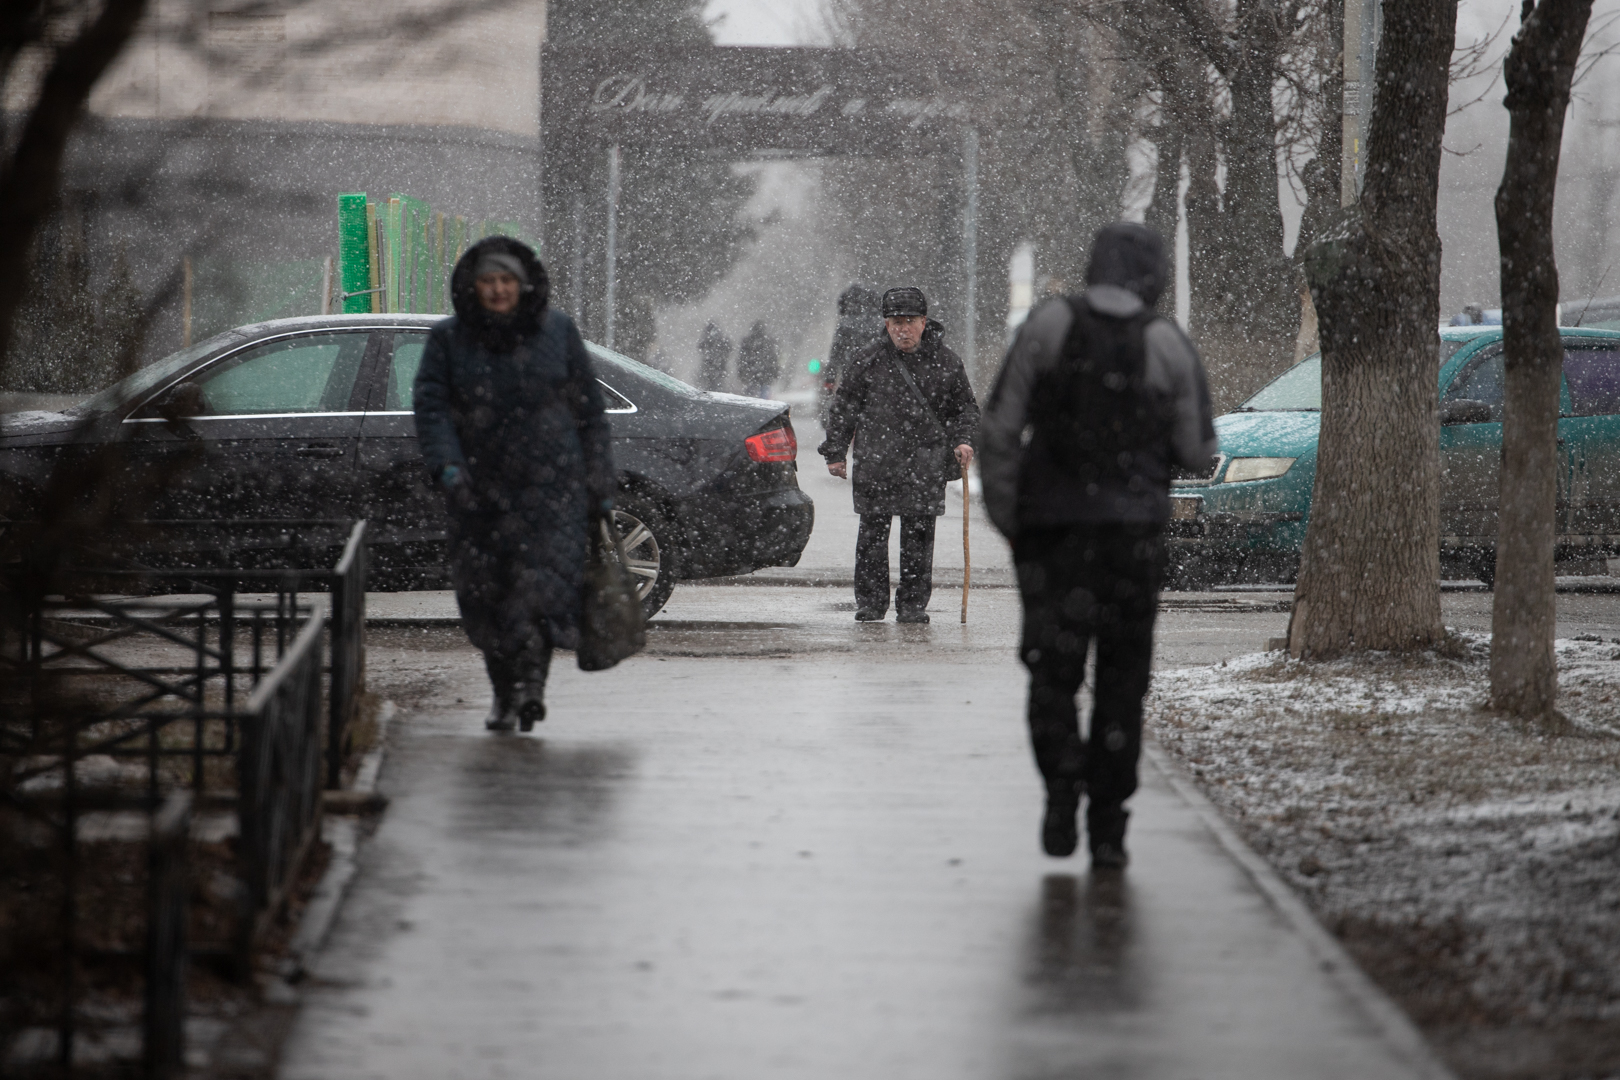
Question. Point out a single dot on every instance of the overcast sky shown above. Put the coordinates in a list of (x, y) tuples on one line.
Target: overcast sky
[(765, 22)]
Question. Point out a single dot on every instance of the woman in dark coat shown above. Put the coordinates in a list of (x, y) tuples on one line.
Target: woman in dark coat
[(510, 420)]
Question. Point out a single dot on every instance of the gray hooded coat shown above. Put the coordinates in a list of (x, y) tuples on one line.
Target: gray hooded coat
[(1126, 276)]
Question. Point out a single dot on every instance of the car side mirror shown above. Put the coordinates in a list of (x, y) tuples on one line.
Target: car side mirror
[(180, 401), (1465, 411)]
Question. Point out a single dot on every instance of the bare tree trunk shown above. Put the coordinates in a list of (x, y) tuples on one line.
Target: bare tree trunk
[(30, 175), (1322, 175), (1244, 305), (1539, 70), (1370, 573), (1265, 308)]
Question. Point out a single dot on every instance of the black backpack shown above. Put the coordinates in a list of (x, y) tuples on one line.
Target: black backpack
[(1093, 415)]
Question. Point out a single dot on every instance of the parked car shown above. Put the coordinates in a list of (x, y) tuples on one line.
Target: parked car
[(1246, 519), (309, 420)]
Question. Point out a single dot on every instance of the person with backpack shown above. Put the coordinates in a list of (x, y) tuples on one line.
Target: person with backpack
[(906, 404), (859, 325), (1113, 398)]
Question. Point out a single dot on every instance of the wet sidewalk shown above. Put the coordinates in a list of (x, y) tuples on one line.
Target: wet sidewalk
[(819, 866)]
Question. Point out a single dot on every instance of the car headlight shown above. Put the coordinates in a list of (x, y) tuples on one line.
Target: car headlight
[(1256, 468)]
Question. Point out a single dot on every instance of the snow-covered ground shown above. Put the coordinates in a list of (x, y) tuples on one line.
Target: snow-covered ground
[(1470, 862)]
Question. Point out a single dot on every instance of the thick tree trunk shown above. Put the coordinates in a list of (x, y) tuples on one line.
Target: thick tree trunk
[(1370, 573), (1265, 305), (1245, 307), (30, 176), (1539, 71), (1323, 173)]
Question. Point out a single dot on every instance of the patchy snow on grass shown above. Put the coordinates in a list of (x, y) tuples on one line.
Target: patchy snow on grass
[(1472, 862)]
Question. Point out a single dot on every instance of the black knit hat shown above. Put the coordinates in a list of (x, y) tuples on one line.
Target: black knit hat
[(904, 301)]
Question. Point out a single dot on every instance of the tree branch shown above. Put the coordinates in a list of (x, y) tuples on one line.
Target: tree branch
[(1206, 35)]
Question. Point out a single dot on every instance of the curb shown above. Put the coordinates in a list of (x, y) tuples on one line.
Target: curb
[(343, 833), (988, 578), (1377, 1007)]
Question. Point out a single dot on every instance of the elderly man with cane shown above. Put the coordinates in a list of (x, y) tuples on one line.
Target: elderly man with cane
[(1112, 397), (906, 404)]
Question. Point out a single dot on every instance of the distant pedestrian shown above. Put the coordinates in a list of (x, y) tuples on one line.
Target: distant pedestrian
[(906, 404), (759, 364), (860, 323), (510, 420), (1112, 396), (714, 355)]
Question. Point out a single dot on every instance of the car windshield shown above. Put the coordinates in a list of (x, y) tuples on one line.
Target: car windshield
[(651, 374), (133, 386), (1299, 389)]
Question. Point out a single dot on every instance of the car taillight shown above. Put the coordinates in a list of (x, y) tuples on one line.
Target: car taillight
[(777, 444)]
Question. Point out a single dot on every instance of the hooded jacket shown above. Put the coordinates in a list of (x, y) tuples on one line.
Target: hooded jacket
[(1126, 276), (901, 454), (758, 361), (859, 325), (714, 351), (514, 403)]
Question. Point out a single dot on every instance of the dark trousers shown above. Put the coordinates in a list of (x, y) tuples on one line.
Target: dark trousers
[(1083, 584), (916, 563), (528, 671)]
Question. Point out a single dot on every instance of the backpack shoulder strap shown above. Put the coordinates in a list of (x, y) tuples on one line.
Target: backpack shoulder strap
[(911, 381)]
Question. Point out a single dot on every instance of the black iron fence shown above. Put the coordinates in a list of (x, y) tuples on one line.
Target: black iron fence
[(279, 780), (348, 630), (210, 685), (168, 910)]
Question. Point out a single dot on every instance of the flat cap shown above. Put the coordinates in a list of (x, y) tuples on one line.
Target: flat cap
[(904, 301)]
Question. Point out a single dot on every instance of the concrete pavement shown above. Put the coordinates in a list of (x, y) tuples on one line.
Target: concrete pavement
[(780, 844), (787, 846)]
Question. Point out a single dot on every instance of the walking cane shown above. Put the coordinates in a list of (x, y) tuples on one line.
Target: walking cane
[(967, 563)]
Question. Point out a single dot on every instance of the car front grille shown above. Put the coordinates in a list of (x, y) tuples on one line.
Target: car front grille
[(1188, 478)]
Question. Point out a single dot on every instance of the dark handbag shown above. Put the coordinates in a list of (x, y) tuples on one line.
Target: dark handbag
[(949, 459), (613, 626)]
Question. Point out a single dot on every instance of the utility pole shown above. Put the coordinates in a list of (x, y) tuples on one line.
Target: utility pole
[(970, 250), (610, 300), (1363, 25)]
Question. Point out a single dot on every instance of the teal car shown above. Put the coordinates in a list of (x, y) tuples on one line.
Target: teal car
[(1246, 519)]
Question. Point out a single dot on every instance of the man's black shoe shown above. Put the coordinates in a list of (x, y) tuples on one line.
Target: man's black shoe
[(868, 615), (530, 713), (1108, 856), (1105, 828), (1059, 834), (912, 617)]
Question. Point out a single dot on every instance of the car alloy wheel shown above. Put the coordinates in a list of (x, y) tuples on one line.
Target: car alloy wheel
[(646, 557)]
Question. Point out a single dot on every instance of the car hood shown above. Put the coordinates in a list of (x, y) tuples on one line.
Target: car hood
[(29, 425), (1268, 434)]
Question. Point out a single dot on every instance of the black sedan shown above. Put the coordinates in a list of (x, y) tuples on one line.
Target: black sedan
[(310, 420)]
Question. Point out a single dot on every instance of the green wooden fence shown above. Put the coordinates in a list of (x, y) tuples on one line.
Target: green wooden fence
[(395, 255)]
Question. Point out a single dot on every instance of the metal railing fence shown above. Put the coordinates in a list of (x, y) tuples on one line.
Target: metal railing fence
[(77, 685), (278, 782)]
